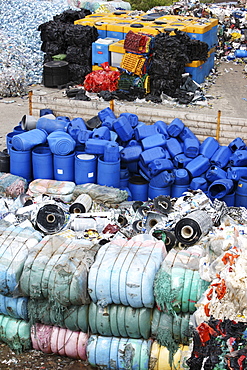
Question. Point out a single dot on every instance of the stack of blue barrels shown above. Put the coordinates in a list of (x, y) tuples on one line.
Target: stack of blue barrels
[(122, 152)]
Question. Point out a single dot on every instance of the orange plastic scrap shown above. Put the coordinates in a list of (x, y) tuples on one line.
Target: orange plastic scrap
[(205, 332), (206, 309), (221, 289), (210, 294), (229, 258)]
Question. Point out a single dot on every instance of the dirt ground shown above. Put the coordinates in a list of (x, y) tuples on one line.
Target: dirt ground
[(228, 91)]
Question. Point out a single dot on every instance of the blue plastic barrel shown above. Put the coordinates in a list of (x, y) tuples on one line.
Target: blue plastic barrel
[(229, 199), (143, 131), (239, 158), (163, 179), (131, 152), (29, 139), (175, 128), (138, 187), (181, 161), (61, 143), (154, 192), (50, 125), (108, 173), (215, 173), (111, 152), (220, 188), (85, 168), (237, 144), (42, 162), (64, 167), (21, 163), (208, 147), (241, 193), (178, 190), (162, 128), (221, 156), (123, 128), (154, 141), (131, 117), (181, 176), (234, 173), (105, 113), (198, 165), (148, 155), (159, 165), (9, 138), (102, 133), (173, 146), (45, 111), (198, 183), (191, 147)]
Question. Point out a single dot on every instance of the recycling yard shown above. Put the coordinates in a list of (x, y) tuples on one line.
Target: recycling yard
[(123, 186)]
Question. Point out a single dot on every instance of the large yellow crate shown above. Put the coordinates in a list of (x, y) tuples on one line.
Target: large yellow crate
[(142, 27), (133, 63), (117, 47)]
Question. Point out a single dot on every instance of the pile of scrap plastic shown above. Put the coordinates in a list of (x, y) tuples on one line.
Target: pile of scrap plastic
[(21, 61)]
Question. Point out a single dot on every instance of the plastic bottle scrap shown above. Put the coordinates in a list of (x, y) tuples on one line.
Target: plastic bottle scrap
[(21, 56)]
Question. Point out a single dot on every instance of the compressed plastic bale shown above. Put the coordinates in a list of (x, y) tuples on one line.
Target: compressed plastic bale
[(12, 185), (15, 333), (52, 339), (167, 327), (162, 359), (113, 276), (72, 317), (14, 307), (58, 268), (119, 320), (55, 189), (14, 251), (118, 353)]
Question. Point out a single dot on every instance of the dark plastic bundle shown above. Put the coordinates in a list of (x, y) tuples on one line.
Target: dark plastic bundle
[(197, 50), (69, 16), (217, 342), (81, 36), (53, 48), (77, 55), (77, 72), (52, 31)]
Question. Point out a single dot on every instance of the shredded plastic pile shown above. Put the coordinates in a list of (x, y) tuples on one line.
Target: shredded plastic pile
[(21, 58)]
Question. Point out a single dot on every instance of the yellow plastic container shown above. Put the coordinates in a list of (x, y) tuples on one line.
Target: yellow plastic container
[(98, 68), (84, 22), (133, 63), (117, 47), (117, 52), (159, 358), (117, 29), (142, 27)]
